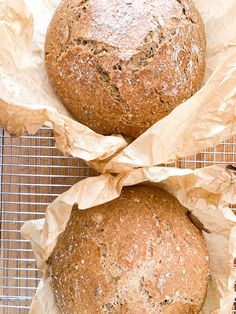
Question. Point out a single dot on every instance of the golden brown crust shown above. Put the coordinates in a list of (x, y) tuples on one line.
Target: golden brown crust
[(120, 66), (137, 254)]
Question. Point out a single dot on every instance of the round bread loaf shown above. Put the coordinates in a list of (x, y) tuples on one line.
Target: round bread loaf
[(120, 66), (138, 254)]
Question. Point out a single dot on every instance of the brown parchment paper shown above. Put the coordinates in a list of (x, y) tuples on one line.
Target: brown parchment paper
[(28, 102), (206, 192)]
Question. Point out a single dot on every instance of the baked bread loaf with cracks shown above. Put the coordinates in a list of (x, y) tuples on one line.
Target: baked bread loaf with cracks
[(138, 254), (119, 66)]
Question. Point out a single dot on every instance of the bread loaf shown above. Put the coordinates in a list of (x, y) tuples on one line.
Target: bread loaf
[(120, 66), (138, 254)]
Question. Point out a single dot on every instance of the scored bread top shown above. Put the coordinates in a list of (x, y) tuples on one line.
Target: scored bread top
[(120, 66), (137, 254)]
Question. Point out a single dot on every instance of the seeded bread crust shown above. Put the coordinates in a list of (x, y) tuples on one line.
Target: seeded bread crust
[(120, 66), (138, 254)]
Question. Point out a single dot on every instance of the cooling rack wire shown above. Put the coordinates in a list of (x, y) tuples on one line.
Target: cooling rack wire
[(33, 173)]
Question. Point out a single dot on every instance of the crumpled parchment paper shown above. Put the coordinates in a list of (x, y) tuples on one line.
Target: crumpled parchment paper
[(206, 192), (28, 102)]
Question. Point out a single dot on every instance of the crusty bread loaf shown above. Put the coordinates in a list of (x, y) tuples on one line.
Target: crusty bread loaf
[(120, 66), (138, 254)]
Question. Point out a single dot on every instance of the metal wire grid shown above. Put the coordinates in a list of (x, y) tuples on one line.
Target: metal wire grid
[(33, 173)]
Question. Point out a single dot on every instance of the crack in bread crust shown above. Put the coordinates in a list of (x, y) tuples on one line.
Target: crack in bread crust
[(89, 46), (105, 77)]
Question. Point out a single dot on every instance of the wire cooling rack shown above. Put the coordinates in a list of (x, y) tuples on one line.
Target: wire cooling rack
[(33, 173)]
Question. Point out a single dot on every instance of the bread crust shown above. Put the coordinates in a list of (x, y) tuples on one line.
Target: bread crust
[(137, 254), (120, 66)]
